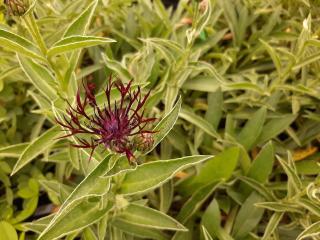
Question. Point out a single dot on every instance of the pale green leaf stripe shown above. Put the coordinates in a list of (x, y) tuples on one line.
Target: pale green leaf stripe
[(151, 175), (131, 229), (291, 173), (13, 150), (41, 78), (199, 122), (19, 44), (310, 205), (272, 225), (80, 214), (149, 218), (40, 224), (274, 56), (280, 206), (206, 234), (76, 42), (81, 23), (166, 124), (312, 230), (259, 187), (36, 147)]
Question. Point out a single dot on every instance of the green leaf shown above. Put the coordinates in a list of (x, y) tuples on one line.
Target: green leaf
[(280, 206), (93, 184), (117, 67), (206, 233), (80, 25), (275, 126), (7, 231), (291, 173), (272, 225), (196, 201), (151, 175), (258, 187), (149, 218), (29, 207), (19, 44), (165, 125), (199, 122), (36, 147), (76, 42), (274, 56), (252, 130), (248, 217), (13, 150), (79, 214), (217, 168), (40, 224), (311, 231), (261, 167), (211, 220), (138, 231), (39, 76), (215, 108)]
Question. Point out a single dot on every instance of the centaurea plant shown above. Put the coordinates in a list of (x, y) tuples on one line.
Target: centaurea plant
[(118, 126)]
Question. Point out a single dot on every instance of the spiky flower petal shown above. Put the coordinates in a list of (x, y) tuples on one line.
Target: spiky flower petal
[(118, 126)]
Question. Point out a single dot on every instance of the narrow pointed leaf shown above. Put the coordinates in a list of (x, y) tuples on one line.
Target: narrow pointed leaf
[(36, 147), (80, 213), (18, 44), (76, 42), (151, 175), (149, 218), (39, 76)]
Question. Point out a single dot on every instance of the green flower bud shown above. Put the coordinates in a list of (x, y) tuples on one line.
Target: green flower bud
[(17, 7)]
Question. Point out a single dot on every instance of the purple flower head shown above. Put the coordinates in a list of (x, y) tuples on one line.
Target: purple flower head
[(119, 126)]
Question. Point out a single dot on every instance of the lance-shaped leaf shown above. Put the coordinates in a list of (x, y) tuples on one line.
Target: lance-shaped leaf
[(19, 44), (39, 225), (76, 42), (93, 184), (36, 147), (200, 122), (78, 27), (39, 76), (196, 201), (138, 231), (166, 124), (13, 150), (149, 218), (79, 214), (311, 231), (151, 175), (217, 168), (252, 129), (272, 225)]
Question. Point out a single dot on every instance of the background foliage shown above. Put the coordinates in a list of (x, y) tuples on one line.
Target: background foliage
[(246, 74)]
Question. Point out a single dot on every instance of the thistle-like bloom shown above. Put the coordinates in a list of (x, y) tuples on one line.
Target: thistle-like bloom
[(17, 7), (119, 126)]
